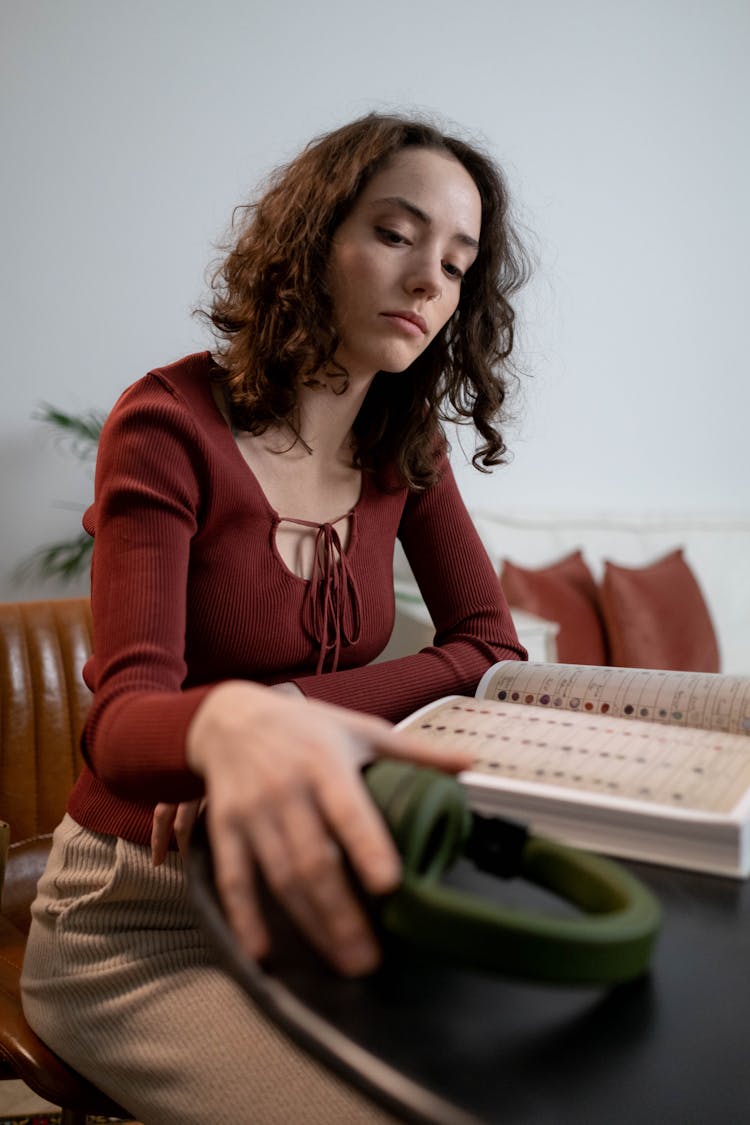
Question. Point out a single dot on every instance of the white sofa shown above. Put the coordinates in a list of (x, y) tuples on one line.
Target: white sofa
[(717, 548)]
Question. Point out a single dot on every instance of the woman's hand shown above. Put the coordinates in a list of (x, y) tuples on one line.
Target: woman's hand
[(285, 797), (168, 819), (179, 820)]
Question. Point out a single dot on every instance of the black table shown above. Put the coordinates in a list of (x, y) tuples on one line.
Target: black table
[(426, 1038)]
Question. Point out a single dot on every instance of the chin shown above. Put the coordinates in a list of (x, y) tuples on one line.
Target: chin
[(394, 361), (397, 364)]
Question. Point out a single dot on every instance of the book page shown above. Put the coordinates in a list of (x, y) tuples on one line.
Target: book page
[(647, 762), (705, 700)]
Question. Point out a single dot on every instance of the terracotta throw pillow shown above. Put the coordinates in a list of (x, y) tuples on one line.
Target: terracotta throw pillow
[(564, 592), (656, 617)]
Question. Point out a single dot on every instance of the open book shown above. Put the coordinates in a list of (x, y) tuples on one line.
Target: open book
[(633, 762)]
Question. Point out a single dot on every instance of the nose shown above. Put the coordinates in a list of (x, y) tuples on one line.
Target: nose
[(425, 279)]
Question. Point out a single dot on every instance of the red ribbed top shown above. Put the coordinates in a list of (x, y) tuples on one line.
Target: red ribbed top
[(188, 590)]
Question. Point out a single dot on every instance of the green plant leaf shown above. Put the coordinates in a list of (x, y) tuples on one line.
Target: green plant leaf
[(64, 560), (79, 431), (79, 434)]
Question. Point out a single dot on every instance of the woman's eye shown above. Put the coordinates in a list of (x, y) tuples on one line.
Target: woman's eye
[(392, 237), (453, 271)]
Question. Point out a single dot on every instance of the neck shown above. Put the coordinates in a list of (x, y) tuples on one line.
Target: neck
[(326, 419)]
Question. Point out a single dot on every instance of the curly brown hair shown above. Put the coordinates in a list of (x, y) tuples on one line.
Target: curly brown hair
[(273, 318)]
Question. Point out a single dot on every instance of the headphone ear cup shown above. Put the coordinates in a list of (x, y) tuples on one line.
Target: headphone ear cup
[(426, 812)]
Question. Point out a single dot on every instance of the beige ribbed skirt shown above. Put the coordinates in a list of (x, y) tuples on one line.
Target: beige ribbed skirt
[(119, 981)]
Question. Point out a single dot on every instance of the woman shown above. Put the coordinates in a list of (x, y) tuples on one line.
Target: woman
[(247, 505)]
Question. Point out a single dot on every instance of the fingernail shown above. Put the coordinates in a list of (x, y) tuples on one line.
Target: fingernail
[(384, 874), (358, 957)]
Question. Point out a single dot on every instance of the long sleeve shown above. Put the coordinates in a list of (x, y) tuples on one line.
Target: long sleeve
[(144, 519)]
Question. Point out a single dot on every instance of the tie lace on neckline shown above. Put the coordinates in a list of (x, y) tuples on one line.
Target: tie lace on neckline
[(331, 612)]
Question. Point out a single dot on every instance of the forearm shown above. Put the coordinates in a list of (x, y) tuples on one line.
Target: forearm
[(138, 747), (395, 688)]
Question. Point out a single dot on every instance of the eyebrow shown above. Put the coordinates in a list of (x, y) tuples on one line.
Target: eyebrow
[(423, 217)]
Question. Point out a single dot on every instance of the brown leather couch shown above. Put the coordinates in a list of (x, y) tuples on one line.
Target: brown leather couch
[(43, 704)]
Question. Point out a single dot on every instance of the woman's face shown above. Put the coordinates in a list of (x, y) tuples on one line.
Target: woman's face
[(398, 258)]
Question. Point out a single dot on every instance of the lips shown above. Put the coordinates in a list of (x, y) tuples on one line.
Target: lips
[(409, 320)]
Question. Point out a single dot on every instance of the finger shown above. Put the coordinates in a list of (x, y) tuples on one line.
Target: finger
[(184, 822), (273, 861), (234, 872), (378, 739), (421, 752), (358, 826), (161, 832), (315, 888)]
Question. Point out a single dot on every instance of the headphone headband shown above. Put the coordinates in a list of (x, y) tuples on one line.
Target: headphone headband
[(427, 812)]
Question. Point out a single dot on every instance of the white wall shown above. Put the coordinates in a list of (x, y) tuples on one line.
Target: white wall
[(129, 129)]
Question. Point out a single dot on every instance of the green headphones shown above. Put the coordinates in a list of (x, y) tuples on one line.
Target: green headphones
[(427, 812), (608, 941)]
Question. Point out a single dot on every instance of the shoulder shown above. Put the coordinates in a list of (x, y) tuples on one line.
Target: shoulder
[(156, 441), (187, 381), (390, 478), (441, 468), (189, 377), (165, 422), (178, 394)]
